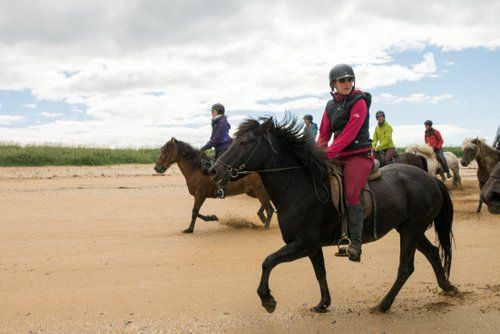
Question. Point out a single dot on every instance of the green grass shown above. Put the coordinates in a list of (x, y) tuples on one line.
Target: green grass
[(13, 155), (55, 155)]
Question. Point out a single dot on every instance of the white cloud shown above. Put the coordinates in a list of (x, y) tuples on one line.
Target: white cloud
[(51, 114), (30, 105), (196, 53), (413, 98), (7, 120)]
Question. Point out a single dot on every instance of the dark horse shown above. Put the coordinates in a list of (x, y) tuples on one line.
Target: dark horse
[(490, 194), (295, 175), (202, 187), (486, 156), (404, 158)]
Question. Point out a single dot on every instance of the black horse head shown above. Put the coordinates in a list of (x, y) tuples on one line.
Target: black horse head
[(256, 146)]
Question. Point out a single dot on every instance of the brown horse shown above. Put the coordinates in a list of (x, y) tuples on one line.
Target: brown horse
[(486, 156), (490, 194), (190, 160)]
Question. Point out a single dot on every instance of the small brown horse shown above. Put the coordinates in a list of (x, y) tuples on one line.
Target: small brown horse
[(189, 160), (486, 156)]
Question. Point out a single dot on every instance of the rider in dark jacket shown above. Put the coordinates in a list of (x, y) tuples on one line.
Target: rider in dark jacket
[(219, 139)]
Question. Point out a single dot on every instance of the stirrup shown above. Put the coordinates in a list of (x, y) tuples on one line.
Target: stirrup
[(343, 245)]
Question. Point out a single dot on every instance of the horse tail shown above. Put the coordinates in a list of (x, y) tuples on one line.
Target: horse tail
[(443, 226), (424, 163)]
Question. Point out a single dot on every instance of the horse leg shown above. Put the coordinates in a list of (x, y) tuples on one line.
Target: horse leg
[(264, 205), (261, 215), (269, 211), (456, 178), (431, 252), (290, 252), (478, 210), (408, 246), (318, 263), (198, 202)]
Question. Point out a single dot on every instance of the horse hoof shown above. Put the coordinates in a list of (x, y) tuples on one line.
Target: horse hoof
[(320, 309), (269, 304), (188, 230), (452, 292), (379, 309)]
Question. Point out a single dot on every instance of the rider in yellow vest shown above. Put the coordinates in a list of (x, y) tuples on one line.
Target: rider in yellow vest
[(382, 139)]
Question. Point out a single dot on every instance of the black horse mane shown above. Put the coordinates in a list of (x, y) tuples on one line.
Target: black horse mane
[(290, 132)]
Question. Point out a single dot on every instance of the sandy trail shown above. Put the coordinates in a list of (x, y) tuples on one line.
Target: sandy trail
[(100, 249)]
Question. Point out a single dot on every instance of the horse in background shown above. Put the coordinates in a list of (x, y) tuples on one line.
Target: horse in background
[(490, 194), (404, 158), (190, 161), (433, 165), (486, 156)]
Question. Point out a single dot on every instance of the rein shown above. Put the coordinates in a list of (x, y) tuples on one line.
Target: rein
[(235, 172)]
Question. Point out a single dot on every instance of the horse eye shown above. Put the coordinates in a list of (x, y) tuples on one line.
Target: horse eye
[(243, 142)]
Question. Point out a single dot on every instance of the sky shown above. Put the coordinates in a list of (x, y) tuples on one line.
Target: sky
[(136, 73)]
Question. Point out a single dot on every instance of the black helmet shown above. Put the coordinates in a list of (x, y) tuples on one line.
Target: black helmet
[(428, 122), (379, 113), (308, 117), (341, 71), (219, 108)]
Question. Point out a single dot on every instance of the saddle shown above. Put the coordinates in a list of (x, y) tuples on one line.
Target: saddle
[(339, 202)]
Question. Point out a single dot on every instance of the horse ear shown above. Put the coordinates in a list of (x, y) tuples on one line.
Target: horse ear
[(264, 127), (173, 140)]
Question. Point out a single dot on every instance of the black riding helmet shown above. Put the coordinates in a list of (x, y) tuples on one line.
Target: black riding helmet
[(428, 122), (379, 113), (341, 71), (219, 108)]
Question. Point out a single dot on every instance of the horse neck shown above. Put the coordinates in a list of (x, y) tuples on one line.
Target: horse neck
[(284, 186), (486, 157), (187, 169)]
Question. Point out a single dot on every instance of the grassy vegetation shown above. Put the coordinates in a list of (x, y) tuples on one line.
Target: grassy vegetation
[(54, 155)]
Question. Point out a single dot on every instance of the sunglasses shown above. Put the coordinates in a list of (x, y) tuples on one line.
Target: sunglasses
[(346, 79)]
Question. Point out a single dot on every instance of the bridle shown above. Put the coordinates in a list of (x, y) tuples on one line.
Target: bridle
[(234, 172)]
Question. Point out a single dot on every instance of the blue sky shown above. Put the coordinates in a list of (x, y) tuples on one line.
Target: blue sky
[(136, 73)]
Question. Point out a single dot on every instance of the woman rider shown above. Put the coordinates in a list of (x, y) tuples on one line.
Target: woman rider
[(346, 117), (219, 138)]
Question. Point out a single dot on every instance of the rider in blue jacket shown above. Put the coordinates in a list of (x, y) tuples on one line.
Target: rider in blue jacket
[(219, 139)]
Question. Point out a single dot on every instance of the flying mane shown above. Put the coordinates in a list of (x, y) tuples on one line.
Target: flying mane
[(289, 131), (423, 149)]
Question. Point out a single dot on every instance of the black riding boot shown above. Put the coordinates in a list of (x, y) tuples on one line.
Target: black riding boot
[(355, 216)]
